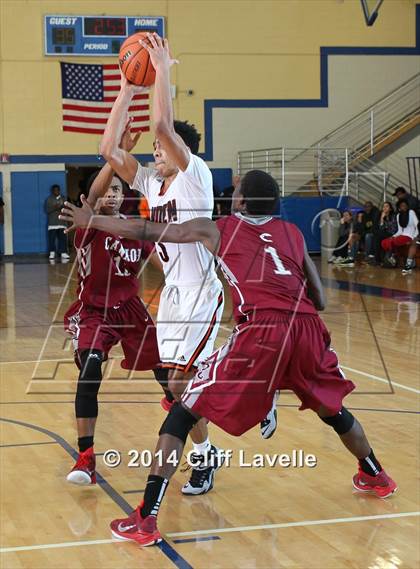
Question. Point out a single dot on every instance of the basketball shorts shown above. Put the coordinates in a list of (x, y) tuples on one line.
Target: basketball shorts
[(234, 388), (187, 323), (94, 328)]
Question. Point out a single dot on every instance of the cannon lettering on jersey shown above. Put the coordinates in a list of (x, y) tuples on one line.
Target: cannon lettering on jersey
[(164, 213), (132, 255)]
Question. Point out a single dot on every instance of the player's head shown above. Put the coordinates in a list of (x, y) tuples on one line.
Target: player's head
[(113, 198), (257, 194), (55, 190), (164, 165)]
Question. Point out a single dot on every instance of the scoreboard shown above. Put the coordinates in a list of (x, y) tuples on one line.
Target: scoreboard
[(94, 35)]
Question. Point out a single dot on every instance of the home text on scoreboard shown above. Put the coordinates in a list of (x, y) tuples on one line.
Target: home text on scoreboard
[(94, 35)]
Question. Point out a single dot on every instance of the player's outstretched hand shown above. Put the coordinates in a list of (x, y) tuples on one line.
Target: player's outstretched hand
[(129, 141), (77, 216), (158, 49)]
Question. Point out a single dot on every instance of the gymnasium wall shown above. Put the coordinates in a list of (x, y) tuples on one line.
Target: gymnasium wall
[(227, 50), (249, 65)]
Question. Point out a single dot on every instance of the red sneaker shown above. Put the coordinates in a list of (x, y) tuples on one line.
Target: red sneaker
[(165, 404), (83, 472), (381, 484), (136, 528)]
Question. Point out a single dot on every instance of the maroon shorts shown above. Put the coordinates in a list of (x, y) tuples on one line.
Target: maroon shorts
[(234, 388), (101, 329)]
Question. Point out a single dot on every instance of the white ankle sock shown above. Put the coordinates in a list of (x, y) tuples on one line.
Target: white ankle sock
[(202, 448)]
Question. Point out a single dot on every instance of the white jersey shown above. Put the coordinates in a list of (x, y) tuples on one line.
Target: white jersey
[(189, 196)]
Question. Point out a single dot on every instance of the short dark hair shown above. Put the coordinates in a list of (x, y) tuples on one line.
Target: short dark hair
[(260, 191), (399, 190), (55, 186), (93, 177), (189, 135), (401, 201)]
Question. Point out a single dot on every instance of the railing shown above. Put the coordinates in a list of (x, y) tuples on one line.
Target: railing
[(368, 131), (317, 171), (413, 166)]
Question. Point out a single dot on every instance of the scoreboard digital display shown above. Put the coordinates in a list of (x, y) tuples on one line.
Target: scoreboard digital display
[(94, 35), (104, 27)]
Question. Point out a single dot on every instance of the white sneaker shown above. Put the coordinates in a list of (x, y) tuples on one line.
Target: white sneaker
[(269, 425), (332, 259), (202, 476), (65, 256), (338, 260), (52, 255)]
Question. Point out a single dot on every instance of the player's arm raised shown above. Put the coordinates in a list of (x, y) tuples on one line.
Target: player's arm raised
[(103, 180), (200, 229), (118, 158), (163, 119), (315, 288)]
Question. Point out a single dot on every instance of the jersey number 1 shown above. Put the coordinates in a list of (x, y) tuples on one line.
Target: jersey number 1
[(280, 270)]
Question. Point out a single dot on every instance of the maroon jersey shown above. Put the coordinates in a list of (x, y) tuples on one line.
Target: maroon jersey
[(263, 263), (108, 267)]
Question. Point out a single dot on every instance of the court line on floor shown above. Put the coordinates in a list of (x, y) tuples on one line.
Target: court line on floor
[(164, 546), (381, 379), (304, 523), (216, 531)]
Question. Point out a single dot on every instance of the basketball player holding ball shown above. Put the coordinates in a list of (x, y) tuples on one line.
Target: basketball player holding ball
[(178, 189)]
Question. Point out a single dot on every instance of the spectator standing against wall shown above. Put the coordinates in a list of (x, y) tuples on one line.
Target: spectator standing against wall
[(57, 240), (370, 224)]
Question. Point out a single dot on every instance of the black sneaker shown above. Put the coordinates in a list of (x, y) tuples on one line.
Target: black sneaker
[(349, 262), (408, 269), (202, 475)]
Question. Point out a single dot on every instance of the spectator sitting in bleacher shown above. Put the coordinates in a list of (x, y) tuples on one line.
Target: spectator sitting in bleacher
[(406, 235), (386, 228), (340, 252), (354, 239), (370, 224)]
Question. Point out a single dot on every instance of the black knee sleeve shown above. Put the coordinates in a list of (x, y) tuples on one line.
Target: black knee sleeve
[(341, 423), (162, 377), (178, 422), (90, 377)]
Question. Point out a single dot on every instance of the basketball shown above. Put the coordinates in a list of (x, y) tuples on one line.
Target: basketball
[(135, 62)]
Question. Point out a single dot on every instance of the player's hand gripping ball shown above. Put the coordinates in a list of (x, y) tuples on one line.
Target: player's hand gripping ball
[(135, 61)]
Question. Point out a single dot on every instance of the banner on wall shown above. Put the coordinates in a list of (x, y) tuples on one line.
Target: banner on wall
[(88, 93)]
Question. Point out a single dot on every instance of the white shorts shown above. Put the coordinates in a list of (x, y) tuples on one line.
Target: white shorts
[(187, 323)]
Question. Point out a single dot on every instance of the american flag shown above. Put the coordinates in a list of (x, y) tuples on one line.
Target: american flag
[(88, 93)]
